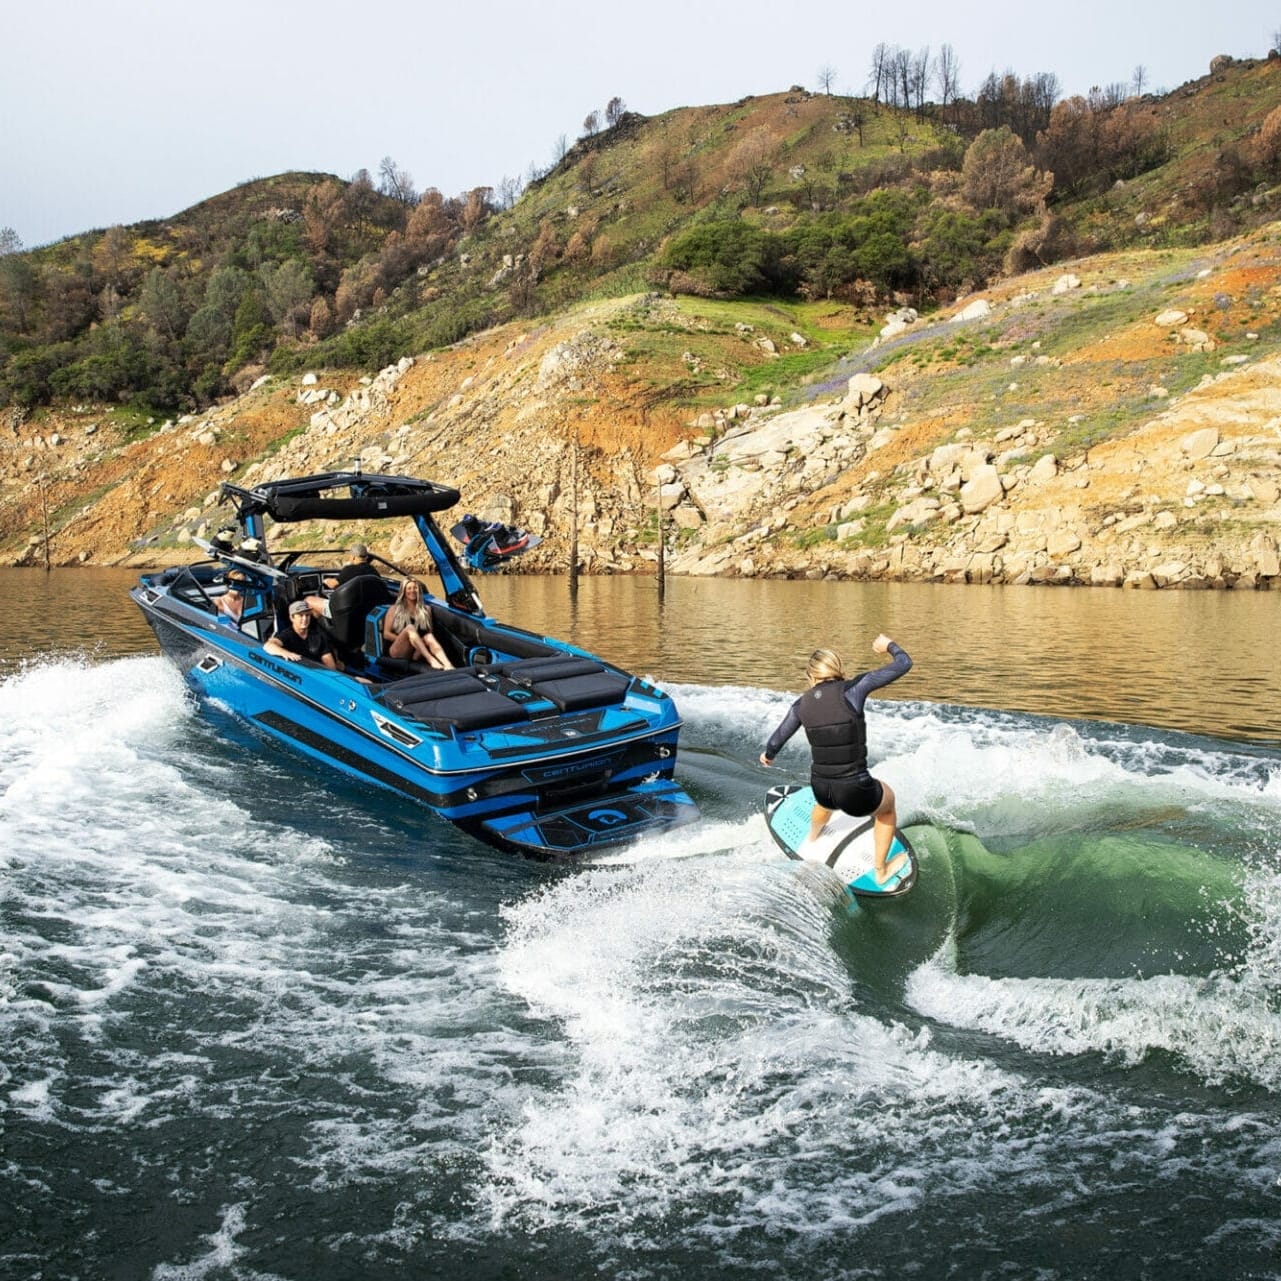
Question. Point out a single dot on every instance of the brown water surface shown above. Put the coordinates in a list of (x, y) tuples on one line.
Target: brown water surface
[(1198, 661)]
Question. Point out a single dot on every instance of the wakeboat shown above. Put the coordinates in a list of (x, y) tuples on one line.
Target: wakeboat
[(529, 743)]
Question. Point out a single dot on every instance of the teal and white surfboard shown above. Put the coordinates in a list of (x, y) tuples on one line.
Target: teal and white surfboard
[(845, 845)]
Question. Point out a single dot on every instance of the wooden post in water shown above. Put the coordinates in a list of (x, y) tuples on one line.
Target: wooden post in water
[(573, 536), (662, 542), (44, 513)]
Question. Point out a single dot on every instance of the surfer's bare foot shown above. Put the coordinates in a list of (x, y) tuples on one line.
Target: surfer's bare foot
[(813, 836), (894, 866)]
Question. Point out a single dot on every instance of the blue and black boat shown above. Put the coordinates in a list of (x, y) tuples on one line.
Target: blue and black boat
[(529, 743)]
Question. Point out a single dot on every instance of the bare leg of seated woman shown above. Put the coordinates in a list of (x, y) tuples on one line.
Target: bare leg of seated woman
[(438, 656), (409, 644)]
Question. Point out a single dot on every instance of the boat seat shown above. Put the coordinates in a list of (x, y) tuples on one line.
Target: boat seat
[(433, 684), (567, 681), (575, 693), (469, 636), (374, 631), (466, 711), (394, 669), (528, 671), (350, 604), (457, 700)]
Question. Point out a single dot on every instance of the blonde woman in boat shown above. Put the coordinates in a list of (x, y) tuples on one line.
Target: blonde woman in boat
[(407, 628)]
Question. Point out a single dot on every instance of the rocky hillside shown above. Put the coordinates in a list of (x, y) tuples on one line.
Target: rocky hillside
[(1115, 422)]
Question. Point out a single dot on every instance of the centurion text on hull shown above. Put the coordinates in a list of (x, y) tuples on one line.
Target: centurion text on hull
[(529, 744)]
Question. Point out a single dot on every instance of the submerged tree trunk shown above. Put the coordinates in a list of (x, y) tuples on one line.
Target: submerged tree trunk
[(44, 514), (573, 537), (662, 545)]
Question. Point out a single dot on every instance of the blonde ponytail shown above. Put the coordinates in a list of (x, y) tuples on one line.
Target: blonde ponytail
[(825, 665)]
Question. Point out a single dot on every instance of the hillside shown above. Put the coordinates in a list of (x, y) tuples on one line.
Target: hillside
[(1050, 430), (1012, 425), (792, 195)]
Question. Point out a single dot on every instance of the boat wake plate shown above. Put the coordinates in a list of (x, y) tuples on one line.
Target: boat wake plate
[(593, 823)]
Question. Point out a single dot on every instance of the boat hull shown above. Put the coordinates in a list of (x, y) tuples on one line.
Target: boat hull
[(554, 785)]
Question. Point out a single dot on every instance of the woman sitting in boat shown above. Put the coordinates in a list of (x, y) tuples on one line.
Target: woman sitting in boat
[(231, 604), (407, 628)]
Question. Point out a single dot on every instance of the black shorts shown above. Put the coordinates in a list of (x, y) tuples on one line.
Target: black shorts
[(856, 796)]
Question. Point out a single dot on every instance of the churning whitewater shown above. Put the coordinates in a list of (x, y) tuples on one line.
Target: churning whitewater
[(258, 1022)]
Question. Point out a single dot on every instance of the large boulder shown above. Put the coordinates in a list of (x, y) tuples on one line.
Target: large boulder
[(981, 490), (976, 310), (1199, 444), (865, 390)]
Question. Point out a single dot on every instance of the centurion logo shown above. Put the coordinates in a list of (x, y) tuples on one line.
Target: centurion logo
[(276, 669), (548, 773), (607, 818)]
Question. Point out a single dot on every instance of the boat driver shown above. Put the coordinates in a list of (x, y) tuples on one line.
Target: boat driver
[(356, 564), (303, 640)]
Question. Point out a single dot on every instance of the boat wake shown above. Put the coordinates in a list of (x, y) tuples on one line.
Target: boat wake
[(255, 996)]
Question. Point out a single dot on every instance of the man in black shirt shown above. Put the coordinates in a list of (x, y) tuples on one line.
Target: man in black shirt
[(357, 563), (303, 640)]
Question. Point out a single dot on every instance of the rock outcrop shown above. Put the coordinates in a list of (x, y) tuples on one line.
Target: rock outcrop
[(549, 429)]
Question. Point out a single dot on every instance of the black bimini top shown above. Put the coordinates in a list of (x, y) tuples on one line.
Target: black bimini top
[(322, 497)]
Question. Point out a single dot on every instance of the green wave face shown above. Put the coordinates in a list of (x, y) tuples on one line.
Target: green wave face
[(1092, 905)]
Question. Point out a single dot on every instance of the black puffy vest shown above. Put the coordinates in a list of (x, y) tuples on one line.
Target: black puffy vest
[(837, 733)]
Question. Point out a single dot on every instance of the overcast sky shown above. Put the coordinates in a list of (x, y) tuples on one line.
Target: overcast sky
[(114, 111)]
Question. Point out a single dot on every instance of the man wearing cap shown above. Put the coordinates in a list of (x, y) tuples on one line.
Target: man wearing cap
[(356, 564), (301, 640)]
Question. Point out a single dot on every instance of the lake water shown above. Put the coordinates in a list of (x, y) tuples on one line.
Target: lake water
[(259, 1022)]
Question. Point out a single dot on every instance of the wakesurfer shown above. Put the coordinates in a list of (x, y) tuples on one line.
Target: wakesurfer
[(831, 713)]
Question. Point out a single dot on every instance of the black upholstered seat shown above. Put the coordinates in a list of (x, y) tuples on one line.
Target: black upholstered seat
[(349, 606), (458, 700), (575, 693)]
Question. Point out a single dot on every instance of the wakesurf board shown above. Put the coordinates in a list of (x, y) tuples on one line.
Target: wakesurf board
[(845, 844)]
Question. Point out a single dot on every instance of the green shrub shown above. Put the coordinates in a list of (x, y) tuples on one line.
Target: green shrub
[(732, 258)]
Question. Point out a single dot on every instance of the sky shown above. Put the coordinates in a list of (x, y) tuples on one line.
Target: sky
[(116, 111)]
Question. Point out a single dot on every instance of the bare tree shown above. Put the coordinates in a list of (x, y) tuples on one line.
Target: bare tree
[(1103, 98), (477, 205), (879, 76), (591, 124), (560, 149), (947, 75), (664, 155), (507, 192), (750, 163), (858, 119), (10, 241), (1023, 105), (396, 182), (323, 212), (1139, 79), (902, 67), (684, 181), (360, 199), (826, 78), (615, 110), (919, 77), (998, 175)]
